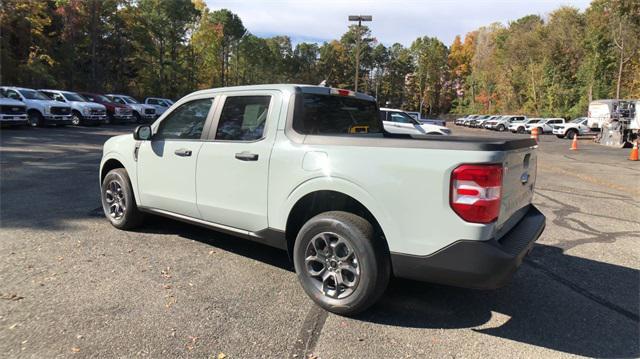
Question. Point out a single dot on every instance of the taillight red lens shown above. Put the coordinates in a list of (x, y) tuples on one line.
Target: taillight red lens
[(476, 192)]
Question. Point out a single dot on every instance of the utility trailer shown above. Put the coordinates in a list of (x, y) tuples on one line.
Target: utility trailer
[(617, 122)]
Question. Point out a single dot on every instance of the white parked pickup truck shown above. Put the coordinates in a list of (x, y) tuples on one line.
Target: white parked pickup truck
[(544, 125), (41, 110), (310, 170), (400, 122), (570, 129), (12, 112)]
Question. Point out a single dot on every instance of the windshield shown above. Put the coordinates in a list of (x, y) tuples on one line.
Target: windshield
[(129, 99), (98, 98), (336, 115), (33, 95), (70, 96)]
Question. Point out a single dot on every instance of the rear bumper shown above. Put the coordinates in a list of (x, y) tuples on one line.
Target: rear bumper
[(475, 264)]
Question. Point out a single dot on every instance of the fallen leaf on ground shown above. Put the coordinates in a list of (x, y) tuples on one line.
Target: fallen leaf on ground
[(75, 349)]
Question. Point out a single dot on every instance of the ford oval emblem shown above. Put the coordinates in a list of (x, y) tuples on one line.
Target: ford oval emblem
[(524, 178)]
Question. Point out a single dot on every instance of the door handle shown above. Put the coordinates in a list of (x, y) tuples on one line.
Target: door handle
[(247, 156), (183, 152)]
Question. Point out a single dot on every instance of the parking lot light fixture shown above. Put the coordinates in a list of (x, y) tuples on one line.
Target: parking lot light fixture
[(359, 19)]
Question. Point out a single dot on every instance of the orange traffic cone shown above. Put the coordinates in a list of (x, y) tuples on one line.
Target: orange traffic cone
[(574, 143), (534, 133), (633, 156)]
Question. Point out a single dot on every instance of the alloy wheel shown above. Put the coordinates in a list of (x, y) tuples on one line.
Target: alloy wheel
[(116, 202), (332, 264)]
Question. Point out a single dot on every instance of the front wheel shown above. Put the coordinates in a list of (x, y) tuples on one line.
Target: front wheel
[(118, 202), (571, 134), (76, 119), (35, 119), (520, 130), (501, 128), (340, 263), (137, 117)]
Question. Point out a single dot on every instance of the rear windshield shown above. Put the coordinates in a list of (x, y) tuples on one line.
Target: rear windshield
[(337, 115)]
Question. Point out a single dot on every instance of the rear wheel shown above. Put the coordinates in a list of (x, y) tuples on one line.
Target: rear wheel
[(340, 263), (118, 202), (520, 130), (501, 128)]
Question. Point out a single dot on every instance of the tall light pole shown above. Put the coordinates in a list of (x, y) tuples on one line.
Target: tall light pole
[(359, 19)]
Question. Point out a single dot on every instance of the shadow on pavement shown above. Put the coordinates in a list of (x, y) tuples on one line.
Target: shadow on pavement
[(542, 308), (535, 308)]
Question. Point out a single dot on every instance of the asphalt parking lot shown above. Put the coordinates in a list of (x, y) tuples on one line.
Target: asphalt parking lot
[(71, 285)]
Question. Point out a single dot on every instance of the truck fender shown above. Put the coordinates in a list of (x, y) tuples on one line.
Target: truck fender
[(129, 166), (343, 186)]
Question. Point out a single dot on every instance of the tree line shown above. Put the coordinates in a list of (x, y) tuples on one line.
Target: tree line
[(551, 66)]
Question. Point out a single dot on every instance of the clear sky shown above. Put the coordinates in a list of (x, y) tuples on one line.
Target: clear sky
[(393, 21)]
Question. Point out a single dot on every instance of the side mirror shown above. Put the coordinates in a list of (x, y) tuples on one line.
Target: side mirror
[(142, 133)]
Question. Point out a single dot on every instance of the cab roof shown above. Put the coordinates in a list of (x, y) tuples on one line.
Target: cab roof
[(312, 89)]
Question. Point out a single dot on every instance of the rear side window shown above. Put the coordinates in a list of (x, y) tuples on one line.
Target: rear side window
[(336, 115), (186, 122), (243, 118)]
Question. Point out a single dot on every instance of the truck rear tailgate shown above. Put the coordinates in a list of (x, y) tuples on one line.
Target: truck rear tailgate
[(518, 180)]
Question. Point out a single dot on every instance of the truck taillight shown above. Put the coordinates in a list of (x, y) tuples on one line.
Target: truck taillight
[(341, 92), (476, 192)]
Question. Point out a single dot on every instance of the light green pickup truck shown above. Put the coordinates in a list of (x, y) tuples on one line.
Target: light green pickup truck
[(312, 171)]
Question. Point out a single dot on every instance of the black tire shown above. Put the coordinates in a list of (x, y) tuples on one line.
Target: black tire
[(501, 128), (520, 129), (570, 133), (76, 118), (137, 117), (130, 217), (108, 120), (372, 261), (35, 119)]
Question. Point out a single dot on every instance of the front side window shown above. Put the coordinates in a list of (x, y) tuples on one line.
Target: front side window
[(337, 115), (186, 122), (56, 96), (130, 100), (118, 100), (401, 117), (243, 118)]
